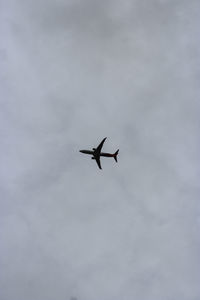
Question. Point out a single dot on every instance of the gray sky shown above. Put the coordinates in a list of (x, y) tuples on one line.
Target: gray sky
[(72, 73)]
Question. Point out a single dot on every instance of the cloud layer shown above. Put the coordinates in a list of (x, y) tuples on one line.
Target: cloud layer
[(73, 72)]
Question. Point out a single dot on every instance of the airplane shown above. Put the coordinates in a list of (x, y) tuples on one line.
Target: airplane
[(96, 152)]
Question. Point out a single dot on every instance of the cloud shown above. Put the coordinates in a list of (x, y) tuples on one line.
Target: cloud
[(72, 73)]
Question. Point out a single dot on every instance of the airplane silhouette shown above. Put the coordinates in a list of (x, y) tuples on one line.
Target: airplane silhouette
[(96, 152)]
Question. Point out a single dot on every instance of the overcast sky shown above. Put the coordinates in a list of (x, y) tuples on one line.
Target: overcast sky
[(71, 73)]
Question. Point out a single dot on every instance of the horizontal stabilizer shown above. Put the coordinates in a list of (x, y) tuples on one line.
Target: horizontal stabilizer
[(115, 155)]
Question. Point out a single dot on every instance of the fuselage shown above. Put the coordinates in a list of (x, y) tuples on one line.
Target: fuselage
[(92, 153)]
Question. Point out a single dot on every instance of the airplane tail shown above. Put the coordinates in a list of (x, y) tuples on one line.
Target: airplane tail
[(115, 155)]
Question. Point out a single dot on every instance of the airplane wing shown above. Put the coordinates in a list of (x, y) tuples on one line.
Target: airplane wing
[(98, 161), (98, 149), (97, 152)]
